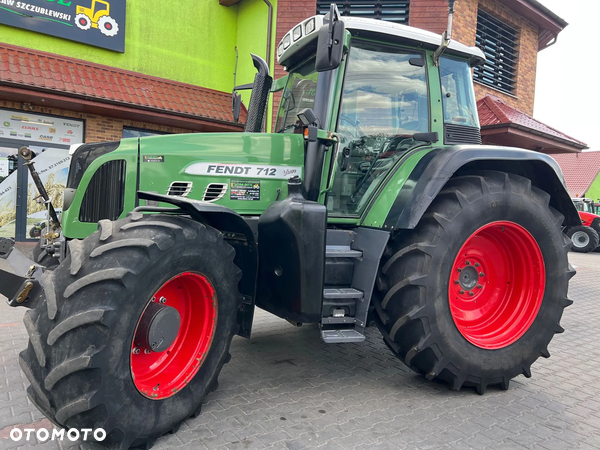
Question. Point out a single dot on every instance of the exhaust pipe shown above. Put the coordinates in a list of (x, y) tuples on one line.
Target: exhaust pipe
[(447, 36), (260, 96)]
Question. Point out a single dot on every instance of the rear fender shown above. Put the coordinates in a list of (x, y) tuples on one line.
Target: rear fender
[(236, 232), (435, 169)]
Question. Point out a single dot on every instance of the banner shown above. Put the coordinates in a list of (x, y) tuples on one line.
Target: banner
[(20, 125), (53, 167), (100, 23)]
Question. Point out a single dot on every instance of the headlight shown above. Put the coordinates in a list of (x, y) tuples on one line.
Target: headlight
[(286, 42), (309, 26), (297, 33), (280, 50)]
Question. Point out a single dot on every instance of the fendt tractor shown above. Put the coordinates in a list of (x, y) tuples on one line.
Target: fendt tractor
[(372, 202), (586, 235)]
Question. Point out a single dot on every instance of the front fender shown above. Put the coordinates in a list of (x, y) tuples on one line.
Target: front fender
[(434, 170), (235, 230)]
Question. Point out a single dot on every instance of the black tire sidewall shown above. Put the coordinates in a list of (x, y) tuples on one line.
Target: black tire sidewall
[(539, 222)]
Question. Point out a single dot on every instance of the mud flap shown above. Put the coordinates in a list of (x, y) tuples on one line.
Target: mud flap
[(23, 287)]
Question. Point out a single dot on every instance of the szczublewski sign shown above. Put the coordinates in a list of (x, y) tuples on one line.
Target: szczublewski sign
[(95, 22)]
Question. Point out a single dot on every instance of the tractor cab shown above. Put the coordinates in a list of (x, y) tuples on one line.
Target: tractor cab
[(587, 205), (392, 93)]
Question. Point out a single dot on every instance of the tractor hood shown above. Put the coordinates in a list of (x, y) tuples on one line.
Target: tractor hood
[(243, 171)]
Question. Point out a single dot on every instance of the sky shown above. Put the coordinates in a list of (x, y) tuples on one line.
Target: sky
[(567, 95)]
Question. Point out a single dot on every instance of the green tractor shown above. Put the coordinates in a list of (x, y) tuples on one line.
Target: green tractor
[(373, 202)]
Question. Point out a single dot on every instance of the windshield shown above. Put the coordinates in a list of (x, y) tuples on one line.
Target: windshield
[(384, 103), (298, 94), (457, 93)]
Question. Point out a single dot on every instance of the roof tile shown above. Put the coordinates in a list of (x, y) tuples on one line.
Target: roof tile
[(35, 69), (580, 170), (493, 111)]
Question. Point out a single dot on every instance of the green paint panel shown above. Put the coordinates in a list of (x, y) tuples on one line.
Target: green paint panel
[(128, 149), (224, 158), (376, 215)]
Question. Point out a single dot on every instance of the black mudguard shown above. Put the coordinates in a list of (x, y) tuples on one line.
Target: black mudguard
[(435, 169), (236, 232)]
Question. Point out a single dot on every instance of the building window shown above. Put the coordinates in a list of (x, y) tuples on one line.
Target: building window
[(389, 10), (130, 132), (498, 41)]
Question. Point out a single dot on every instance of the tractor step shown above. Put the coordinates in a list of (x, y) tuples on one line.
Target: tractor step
[(338, 293), (341, 336), (342, 251)]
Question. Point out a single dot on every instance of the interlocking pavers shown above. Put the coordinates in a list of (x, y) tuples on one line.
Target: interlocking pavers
[(285, 389)]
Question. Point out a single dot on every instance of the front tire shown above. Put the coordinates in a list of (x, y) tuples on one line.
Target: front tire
[(87, 361), (495, 229), (584, 239)]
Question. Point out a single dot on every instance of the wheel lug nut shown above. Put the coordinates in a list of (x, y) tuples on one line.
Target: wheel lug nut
[(479, 286), (153, 299), (481, 274), (471, 293), (477, 264), (163, 300), (459, 270), (468, 263), (455, 281), (461, 292), (136, 351), (147, 351)]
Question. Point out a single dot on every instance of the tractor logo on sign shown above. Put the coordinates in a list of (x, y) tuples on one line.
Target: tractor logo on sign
[(97, 16)]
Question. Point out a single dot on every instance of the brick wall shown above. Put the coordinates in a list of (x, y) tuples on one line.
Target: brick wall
[(289, 13), (429, 15), (465, 24), (432, 15), (97, 128)]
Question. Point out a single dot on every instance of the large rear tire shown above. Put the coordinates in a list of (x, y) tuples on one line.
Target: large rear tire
[(474, 294), (87, 361)]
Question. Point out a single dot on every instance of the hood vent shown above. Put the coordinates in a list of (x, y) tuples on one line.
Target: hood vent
[(214, 192), (180, 188)]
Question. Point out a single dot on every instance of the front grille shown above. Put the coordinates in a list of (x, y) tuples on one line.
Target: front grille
[(180, 188), (105, 195), (214, 192), (459, 134)]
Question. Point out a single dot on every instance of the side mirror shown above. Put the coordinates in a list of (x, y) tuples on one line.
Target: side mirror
[(330, 45), (236, 104)]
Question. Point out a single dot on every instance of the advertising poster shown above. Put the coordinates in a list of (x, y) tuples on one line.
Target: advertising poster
[(100, 23), (19, 125), (53, 167)]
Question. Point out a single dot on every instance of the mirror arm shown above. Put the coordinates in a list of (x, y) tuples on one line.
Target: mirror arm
[(447, 36)]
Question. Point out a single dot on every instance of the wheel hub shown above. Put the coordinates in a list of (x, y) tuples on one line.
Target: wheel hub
[(580, 239), (158, 327), (468, 278)]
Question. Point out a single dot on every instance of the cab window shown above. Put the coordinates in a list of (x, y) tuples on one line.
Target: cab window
[(384, 103)]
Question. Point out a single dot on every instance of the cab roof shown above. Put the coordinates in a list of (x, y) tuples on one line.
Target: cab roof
[(371, 28)]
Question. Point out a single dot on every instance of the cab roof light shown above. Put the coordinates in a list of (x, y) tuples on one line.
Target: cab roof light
[(286, 41), (297, 33), (309, 26)]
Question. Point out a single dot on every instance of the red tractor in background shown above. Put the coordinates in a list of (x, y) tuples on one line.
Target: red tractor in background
[(585, 237)]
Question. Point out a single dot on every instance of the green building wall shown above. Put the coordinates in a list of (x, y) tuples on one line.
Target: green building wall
[(594, 190), (191, 41)]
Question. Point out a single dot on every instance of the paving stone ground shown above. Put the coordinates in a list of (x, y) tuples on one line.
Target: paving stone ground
[(285, 389)]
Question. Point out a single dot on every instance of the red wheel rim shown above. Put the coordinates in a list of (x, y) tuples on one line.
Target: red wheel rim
[(161, 375), (497, 285)]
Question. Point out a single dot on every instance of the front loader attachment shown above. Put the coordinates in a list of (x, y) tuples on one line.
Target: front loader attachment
[(23, 287)]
